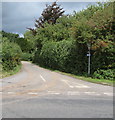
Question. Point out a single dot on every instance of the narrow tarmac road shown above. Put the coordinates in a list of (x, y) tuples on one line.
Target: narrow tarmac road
[(36, 92)]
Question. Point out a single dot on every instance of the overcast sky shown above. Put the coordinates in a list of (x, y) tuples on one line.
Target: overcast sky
[(17, 16)]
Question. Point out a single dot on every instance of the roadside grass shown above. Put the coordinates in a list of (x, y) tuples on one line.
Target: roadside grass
[(88, 79), (11, 72)]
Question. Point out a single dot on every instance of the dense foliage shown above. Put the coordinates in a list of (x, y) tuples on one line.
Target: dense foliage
[(11, 55), (25, 44), (104, 74), (64, 45), (22, 42), (14, 49)]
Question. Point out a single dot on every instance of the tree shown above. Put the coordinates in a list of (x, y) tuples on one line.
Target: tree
[(49, 15), (12, 37)]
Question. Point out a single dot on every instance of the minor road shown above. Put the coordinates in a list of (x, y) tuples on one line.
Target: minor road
[(36, 92)]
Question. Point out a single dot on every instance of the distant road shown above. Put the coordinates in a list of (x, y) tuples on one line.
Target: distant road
[(36, 92)]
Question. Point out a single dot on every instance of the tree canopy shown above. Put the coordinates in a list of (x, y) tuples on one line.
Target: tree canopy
[(49, 15)]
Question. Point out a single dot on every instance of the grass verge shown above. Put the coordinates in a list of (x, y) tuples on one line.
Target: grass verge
[(11, 72), (90, 79)]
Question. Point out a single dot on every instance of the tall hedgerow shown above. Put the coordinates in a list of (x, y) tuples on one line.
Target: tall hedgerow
[(64, 44), (11, 55)]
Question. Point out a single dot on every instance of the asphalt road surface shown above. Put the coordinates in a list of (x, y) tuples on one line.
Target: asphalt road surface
[(36, 92)]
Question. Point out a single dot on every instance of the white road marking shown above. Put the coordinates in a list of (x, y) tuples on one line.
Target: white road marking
[(82, 86), (68, 83), (11, 92), (42, 78), (32, 93), (89, 92), (79, 85), (92, 93), (53, 92), (73, 93), (109, 94), (74, 84)]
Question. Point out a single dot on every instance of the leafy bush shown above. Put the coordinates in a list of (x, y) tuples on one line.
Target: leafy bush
[(26, 56), (11, 54), (104, 74), (55, 54), (62, 55)]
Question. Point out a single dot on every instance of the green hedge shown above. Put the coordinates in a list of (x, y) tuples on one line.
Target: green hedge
[(11, 54), (26, 56), (105, 74), (63, 56)]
